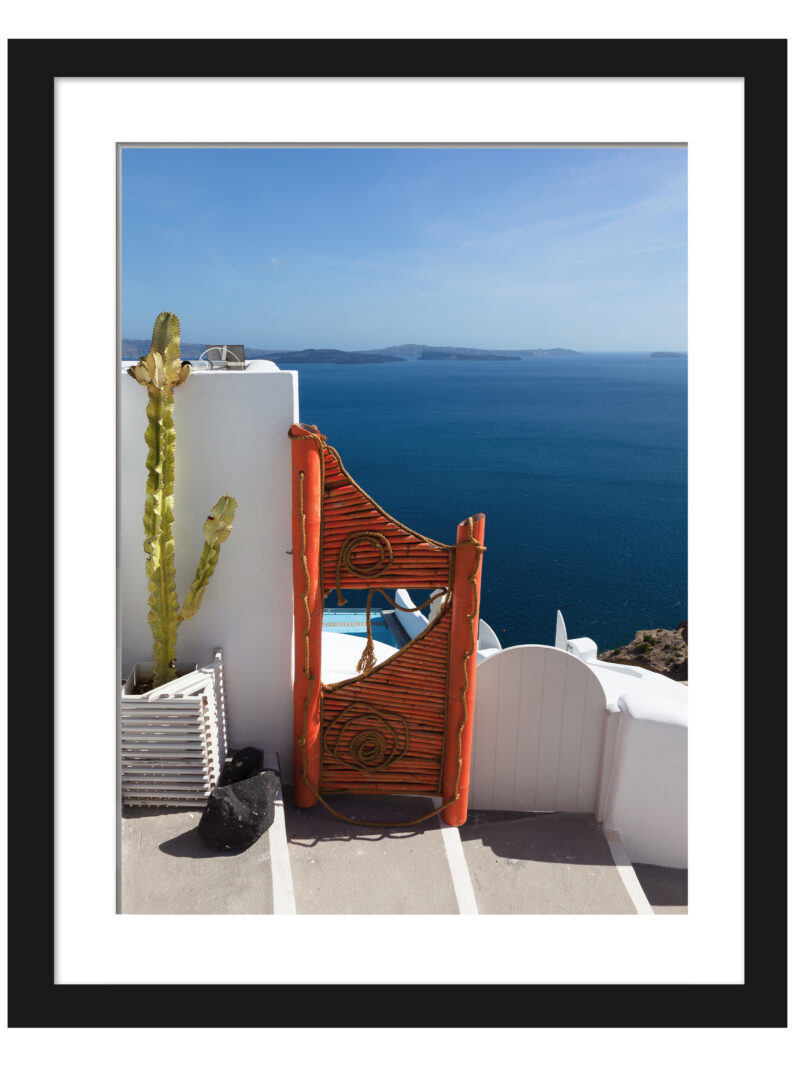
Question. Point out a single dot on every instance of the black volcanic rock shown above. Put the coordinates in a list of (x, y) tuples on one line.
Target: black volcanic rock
[(245, 763), (237, 815)]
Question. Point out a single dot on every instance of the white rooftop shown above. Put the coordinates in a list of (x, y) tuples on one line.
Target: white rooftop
[(341, 653)]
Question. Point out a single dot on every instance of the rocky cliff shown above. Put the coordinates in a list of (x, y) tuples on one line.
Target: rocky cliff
[(664, 651)]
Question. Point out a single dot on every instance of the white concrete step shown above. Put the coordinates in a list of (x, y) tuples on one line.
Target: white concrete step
[(310, 862), (167, 869), (342, 869), (497, 863)]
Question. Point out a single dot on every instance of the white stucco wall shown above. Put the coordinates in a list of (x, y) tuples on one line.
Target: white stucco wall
[(648, 795), (231, 437)]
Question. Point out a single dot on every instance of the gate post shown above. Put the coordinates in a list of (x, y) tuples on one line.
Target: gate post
[(307, 477), (463, 660)]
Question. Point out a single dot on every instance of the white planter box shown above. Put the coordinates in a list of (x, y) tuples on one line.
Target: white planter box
[(173, 740)]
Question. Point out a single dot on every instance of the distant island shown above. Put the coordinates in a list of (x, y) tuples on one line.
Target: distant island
[(331, 355), (136, 348), (419, 351), (446, 353)]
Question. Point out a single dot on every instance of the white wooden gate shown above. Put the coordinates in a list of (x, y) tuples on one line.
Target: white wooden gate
[(538, 733)]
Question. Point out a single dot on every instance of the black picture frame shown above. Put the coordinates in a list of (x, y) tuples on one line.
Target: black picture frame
[(34, 998)]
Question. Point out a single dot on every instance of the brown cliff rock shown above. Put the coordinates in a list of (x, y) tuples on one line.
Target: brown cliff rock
[(656, 649)]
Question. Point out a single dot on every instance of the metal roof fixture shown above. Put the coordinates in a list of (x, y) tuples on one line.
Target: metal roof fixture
[(223, 357)]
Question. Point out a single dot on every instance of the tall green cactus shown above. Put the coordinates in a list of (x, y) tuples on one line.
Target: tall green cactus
[(161, 372)]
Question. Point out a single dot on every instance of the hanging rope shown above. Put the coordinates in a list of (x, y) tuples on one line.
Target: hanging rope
[(368, 659)]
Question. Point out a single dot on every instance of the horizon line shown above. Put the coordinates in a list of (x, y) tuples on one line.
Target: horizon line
[(409, 344)]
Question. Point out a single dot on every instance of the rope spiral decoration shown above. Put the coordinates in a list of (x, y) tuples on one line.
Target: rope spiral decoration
[(347, 553), (363, 737)]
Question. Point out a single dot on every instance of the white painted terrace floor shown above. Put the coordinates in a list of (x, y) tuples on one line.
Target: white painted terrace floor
[(310, 862)]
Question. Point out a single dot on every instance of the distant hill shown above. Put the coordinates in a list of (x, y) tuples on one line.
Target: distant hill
[(135, 348), (332, 355), (668, 355), (416, 351), (447, 354)]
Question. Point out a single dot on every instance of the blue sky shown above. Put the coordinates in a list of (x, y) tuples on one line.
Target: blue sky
[(367, 247)]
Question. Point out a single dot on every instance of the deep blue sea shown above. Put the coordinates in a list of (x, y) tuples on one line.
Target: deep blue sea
[(578, 462)]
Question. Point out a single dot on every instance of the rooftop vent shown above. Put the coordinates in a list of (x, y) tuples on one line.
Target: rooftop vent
[(223, 357)]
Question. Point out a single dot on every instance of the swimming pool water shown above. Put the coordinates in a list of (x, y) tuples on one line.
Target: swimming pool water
[(353, 623)]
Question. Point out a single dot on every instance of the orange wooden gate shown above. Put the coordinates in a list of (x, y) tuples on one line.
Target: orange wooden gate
[(405, 725)]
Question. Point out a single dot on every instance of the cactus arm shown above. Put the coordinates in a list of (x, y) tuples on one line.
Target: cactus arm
[(216, 529)]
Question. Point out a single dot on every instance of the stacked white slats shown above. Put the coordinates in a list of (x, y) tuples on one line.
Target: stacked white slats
[(174, 741)]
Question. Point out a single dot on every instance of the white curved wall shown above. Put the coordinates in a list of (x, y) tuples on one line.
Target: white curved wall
[(648, 794), (487, 638), (538, 733), (413, 622)]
